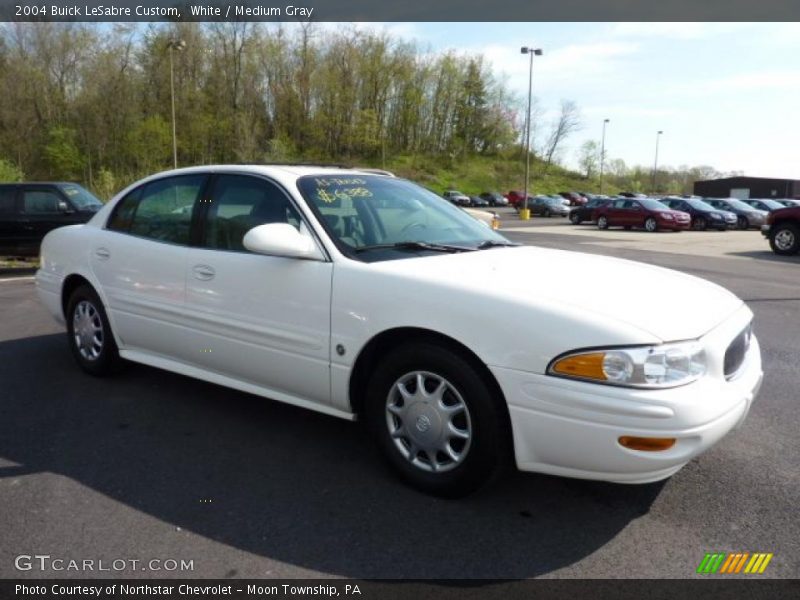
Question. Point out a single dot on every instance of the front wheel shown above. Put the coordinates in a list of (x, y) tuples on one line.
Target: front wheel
[(602, 222), (699, 224), (743, 223), (574, 218), (651, 224), (435, 420), (89, 333), (784, 239), (546, 213)]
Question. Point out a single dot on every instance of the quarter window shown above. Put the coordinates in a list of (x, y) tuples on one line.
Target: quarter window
[(239, 203), (164, 212), (122, 216), (40, 202)]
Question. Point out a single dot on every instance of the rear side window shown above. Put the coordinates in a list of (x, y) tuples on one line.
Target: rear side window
[(164, 210), (40, 202), (7, 195)]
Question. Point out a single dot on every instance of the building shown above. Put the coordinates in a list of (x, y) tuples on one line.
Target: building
[(747, 187)]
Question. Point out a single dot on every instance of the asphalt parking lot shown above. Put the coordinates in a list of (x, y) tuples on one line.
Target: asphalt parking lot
[(152, 465)]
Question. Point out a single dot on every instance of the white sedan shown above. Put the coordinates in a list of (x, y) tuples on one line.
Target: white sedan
[(360, 295)]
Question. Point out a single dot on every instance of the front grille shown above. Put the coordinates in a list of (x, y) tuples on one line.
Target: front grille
[(734, 355)]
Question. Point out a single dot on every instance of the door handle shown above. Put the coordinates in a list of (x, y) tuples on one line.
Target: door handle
[(102, 253), (203, 272)]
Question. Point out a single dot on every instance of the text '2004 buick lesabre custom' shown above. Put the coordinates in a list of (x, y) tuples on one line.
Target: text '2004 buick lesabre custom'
[(360, 295)]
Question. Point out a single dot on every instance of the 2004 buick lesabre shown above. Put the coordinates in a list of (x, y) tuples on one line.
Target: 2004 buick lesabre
[(363, 295)]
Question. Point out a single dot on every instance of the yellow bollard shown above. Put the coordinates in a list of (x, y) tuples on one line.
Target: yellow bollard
[(524, 214)]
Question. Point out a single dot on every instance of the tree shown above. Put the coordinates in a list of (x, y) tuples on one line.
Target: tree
[(589, 157), (63, 155), (567, 123), (10, 172)]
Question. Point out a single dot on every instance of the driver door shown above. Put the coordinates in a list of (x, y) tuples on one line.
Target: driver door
[(262, 320)]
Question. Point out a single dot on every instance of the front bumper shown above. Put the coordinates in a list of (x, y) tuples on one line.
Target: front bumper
[(765, 230), (572, 428)]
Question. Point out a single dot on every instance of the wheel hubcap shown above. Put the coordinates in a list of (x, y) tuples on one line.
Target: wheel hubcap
[(87, 329), (651, 225), (784, 239), (429, 422)]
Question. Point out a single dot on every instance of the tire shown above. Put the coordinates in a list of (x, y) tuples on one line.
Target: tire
[(650, 224), (547, 213), (574, 218), (699, 224), (89, 333), (784, 239), (602, 222), (742, 223), (475, 454)]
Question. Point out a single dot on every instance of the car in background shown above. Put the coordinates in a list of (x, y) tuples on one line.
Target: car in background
[(632, 195), (495, 198), (789, 202), (28, 211), (747, 217), (585, 213), (574, 198), (647, 213), (456, 197), (703, 215), (478, 202), (515, 198), (547, 206), (782, 229), (765, 204)]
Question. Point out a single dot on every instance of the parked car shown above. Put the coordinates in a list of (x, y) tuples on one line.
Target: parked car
[(457, 197), (650, 214), (581, 214), (495, 198), (632, 195), (746, 216), (547, 206), (28, 211), (574, 198), (703, 215), (515, 198), (478, 202), (790, 202), (332, 289), (782, 229), (764, 204)]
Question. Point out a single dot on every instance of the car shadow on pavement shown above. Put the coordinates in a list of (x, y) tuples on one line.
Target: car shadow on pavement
[(281, 482), (765, 255)]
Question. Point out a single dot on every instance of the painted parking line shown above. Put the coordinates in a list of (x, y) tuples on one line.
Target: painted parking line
[(8, 279)]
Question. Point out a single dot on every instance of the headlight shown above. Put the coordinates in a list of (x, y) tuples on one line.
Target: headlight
[(666, 216), (664, 366), (715, 216)]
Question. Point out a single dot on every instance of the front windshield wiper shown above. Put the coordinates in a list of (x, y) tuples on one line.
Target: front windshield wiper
[(494, 244), (416, 246)]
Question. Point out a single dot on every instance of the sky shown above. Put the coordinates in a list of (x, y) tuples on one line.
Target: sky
[(724, 94)]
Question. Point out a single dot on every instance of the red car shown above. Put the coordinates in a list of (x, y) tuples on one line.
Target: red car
[(574, 198), (783, 230), (515, 197), (640, 212)]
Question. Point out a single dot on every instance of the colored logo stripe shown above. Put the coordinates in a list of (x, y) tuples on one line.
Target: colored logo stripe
[(729, 563)]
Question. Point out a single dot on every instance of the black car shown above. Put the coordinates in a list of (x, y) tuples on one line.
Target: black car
[(478, 202), (703, 215), (583, 214), (764, 204), (29, 210), (495, 198), (747, 217)]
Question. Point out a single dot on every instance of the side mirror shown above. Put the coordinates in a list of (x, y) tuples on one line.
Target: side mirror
[(64, 207), (281, 239)]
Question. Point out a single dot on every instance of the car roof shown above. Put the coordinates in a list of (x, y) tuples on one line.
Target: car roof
[(6, 183)]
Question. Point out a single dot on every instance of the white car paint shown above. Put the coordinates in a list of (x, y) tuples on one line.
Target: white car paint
[(270, 325)]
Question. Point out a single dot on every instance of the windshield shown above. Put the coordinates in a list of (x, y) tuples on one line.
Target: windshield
[(651, 204), (80, 197), (772, 204), (368, 211), (737, 204)]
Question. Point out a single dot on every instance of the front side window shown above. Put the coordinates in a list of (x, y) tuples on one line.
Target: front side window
[(164, 210), (81, 197), (40, 202), (369, 211), (239, 203), (7, 197)]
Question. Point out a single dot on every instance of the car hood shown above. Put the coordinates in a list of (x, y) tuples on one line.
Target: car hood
[(660, 302)]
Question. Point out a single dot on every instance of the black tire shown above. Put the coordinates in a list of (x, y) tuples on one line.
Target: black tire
[(546, 213), (602, 222), (85, 309), (742, 223), (650, 224), (699, 224), (574, 218), (485, 418), (784, 239)]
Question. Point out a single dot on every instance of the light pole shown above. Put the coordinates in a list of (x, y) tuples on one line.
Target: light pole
[(603, 153), (524, 214), (174, 44), (655, 163)]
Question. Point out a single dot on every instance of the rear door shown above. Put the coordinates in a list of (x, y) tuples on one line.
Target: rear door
[(9, 225)]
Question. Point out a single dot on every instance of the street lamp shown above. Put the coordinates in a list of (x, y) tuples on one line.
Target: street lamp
[(524, 214), (655, 163), (174, 44), (603, 153)]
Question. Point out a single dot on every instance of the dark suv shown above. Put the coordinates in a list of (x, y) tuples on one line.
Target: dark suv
[(29, 210), (783, 230)]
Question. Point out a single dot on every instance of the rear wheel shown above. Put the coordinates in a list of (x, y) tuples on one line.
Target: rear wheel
[(699, 224), (742, 223), (602, 222), (784, 239), (435, 420), (546, 213), (574, 218), (651, 224), (89, 333)]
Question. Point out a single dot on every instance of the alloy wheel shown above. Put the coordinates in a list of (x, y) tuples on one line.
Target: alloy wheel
[(87, 330)]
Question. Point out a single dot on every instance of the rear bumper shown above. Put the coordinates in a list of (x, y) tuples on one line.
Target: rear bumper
[(48, 288), (572, 428)]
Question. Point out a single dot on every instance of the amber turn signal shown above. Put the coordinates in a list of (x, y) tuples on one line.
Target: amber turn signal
[(646, 444), (589, 366)]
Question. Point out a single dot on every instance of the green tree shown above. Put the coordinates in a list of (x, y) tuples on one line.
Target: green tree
[(62, 154), (10, 172)]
